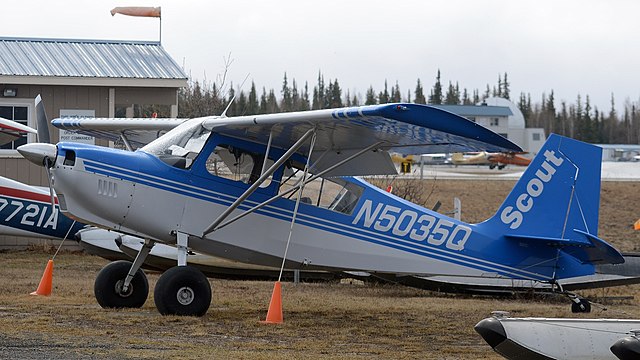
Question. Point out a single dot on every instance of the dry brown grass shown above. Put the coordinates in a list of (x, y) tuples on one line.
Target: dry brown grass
[(322, 320)]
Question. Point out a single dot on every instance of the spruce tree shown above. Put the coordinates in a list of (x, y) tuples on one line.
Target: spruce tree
[(263, 101), (253, 107), (453, 95), (383, 97), (304, 104), (419, 94), (436, 96), (287, 99), (370, 97), (505, 87), (334, 95), (395, 94)]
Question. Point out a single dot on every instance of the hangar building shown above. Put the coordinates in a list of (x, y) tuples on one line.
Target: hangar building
[(96, 78), (502, 116)]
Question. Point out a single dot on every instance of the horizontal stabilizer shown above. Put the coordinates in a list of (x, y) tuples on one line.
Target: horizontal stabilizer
[(587, 248)]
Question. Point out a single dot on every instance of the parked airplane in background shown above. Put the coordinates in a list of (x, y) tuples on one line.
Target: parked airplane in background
[(497, 159), (219, 186), (11, 130)]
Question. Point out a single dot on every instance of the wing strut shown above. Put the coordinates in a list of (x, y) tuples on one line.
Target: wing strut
[(295, 188), (126, 142), (259, 182), (295, 209), (266, 154)]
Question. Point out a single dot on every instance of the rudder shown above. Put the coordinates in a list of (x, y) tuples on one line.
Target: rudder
[(558, 193)]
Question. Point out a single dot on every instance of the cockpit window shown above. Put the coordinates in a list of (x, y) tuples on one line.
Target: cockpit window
[(237, 164), (180, 146), (335, 194)]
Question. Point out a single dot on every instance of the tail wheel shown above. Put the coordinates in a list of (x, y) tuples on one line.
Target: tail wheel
[(183, 290), (108, 286), (584, 306)]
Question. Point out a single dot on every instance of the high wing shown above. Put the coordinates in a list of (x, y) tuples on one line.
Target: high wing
[(137, 131), (11, 130), (403, 128)]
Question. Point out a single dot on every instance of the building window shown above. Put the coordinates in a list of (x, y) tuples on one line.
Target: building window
[(536, 136), (472, 118), (504, 135), (18, 114), (494, 122)]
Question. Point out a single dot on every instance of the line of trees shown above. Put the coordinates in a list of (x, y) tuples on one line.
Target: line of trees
[(579, 120)]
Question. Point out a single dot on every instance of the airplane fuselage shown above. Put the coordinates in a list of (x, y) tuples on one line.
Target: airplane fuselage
[(139, 194)]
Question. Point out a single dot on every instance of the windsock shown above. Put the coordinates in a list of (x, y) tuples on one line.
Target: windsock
[(145, 11)]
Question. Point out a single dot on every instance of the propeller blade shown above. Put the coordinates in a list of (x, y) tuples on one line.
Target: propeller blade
[(41, 122)]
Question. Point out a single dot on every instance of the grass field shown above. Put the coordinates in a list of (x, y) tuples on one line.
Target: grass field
[(347, 320)]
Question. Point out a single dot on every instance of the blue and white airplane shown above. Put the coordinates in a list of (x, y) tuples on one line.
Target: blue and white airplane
[(261, 188)]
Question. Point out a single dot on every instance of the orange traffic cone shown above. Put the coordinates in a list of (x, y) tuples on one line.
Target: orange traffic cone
[(274, 315), (636, 226), (44, 288)]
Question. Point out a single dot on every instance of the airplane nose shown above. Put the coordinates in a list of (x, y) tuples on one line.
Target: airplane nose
[(39, 153)]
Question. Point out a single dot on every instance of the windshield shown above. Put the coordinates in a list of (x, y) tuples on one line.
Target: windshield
[(183, 142)]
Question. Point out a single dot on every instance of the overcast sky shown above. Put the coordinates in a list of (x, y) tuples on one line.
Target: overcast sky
[(573, 47)]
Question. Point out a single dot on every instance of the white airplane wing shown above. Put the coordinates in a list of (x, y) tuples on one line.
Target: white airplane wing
[(11, 130), (138, 131), (403, 128)]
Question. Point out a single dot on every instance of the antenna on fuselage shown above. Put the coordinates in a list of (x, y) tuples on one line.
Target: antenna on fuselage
[(224, 113)]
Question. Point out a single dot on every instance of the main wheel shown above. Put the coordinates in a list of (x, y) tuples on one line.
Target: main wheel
[(108, 286), (182, 290)]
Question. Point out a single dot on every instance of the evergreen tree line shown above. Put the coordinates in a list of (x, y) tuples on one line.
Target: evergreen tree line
[(579, 120)]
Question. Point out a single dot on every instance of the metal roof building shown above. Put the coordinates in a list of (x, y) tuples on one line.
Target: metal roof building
[(87, 62), (95, 78)]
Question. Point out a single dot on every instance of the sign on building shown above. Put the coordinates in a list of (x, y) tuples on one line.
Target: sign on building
[(66, 135)]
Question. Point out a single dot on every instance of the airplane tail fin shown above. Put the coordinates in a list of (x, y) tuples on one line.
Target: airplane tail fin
[(555, 203)]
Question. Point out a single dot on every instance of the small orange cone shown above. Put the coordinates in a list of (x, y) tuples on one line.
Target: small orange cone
[(636, 226), (389, 188), (44, 288), (274, 315)]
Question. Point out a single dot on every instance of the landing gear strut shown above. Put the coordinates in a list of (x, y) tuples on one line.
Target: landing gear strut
[(578, 304)]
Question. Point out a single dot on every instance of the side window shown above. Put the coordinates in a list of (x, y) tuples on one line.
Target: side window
[(237, 164), (332, 194)]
